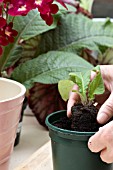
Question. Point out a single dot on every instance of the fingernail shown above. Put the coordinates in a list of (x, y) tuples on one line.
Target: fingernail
[(102, 118)]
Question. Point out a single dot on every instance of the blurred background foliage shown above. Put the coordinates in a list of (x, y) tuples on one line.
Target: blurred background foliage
[(42, 55)]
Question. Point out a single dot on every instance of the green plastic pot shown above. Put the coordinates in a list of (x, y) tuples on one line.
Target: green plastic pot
[(69, 148)]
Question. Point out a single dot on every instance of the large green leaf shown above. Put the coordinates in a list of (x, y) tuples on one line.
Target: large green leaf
[(76, 32), (49, 68), (32, 25), (27, 26)]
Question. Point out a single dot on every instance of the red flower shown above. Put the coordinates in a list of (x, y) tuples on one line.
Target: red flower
[(2, 22), (0, 10), (3, 42), (20, 7), (46, 9), (7, 35), (10, 33)]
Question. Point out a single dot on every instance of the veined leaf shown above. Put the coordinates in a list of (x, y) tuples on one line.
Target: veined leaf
[(96, 87), (31, 25), (65, 87), (49, 68), (27, 27), (77, 32), (82, 80)]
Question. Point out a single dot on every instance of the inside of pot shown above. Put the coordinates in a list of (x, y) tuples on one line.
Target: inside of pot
[(8, 90)]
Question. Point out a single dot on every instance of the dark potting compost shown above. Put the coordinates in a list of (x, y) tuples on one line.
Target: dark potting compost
[(83, 119)]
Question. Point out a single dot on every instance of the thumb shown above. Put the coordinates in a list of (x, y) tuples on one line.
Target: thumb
[(106, 110)]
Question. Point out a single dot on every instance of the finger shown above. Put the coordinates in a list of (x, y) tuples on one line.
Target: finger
[(74, 98), (96, 143), (107, 155), (106, 110)]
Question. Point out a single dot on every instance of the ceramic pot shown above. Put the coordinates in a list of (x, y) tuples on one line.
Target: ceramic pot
[(11, 100), (19, 128), (69, 148)]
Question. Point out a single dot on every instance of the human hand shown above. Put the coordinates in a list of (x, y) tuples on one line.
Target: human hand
[(105, 101), (102, 141)]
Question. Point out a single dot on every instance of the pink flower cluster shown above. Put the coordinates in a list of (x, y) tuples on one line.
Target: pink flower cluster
[(21, 7)]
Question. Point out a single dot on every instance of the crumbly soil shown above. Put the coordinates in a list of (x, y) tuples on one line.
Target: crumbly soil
[(83, 119)]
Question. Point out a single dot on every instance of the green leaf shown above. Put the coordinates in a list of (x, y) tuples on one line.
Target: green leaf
[(49, 68), (32, 25), (82, 80), (77, 32), (27, 26), (63, 10), (96, 86), (107, 57), (86, 4), (65, 87)]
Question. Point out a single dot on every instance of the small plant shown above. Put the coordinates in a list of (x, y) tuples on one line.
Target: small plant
[(87, 88), (84, 113)]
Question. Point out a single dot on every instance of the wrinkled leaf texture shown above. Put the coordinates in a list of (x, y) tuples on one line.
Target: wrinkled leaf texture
[(82, 80), (27, 26), (76, 32), (49, 68)]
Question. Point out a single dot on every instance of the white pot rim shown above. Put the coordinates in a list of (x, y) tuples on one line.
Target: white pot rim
[(22, 89), (101, 19)]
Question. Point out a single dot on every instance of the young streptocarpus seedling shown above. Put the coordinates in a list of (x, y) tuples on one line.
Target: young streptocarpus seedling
[(87, 88)]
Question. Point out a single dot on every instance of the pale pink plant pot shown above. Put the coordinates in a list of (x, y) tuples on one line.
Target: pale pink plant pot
[(12, 95)]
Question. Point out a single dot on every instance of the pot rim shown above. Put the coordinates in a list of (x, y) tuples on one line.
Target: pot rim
[(101, 19), (21, 86), (64, 131)]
